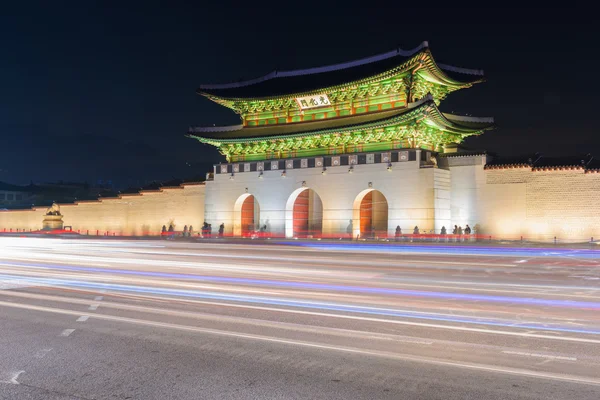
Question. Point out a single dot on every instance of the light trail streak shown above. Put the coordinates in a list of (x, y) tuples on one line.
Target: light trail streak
[(305, 304), (341, 288), (451, 250)]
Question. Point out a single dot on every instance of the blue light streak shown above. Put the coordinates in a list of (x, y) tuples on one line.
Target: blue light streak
[(337, 288), (295, 304)]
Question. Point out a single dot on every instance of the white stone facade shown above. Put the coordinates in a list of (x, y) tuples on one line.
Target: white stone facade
[(417, 194)]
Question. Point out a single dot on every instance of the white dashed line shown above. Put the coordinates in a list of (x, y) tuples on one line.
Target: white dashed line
[(98, 298), (67, 332), (42, 353), (93, 307), (14, 377), (83, 318), (13, 380), (550, 357)]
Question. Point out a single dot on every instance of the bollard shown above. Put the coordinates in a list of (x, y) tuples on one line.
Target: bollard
[(490, 238), (555, 240), (97, 232), (521, 238)]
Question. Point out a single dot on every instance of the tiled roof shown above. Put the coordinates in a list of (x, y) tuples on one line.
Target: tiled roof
[(538, 162), (293, 128), (279, 83)]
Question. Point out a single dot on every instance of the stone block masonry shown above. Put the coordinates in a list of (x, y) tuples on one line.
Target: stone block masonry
[(138, 214)]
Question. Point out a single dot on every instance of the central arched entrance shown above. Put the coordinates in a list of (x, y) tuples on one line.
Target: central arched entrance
[(304, 214), (246, 216), (370, 215)]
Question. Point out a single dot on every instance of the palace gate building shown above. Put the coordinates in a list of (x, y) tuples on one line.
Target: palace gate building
[(358, 148)]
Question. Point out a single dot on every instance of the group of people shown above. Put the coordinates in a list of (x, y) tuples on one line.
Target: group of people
[(189, 231), (207, 230), (186, 231), (458, 230)]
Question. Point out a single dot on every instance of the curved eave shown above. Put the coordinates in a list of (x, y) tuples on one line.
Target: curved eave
[(435, 75), (423, 112), (439, 76)]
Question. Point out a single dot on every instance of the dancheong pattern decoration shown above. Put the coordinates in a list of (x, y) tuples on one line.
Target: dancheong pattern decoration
[(383, 102)]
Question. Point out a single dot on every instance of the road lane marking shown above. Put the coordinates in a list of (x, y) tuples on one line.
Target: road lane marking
[(467, 365), (548, 356), (98, 298), (93, 307), (13, 380), (67, 332), (83, 318), (42, 353)]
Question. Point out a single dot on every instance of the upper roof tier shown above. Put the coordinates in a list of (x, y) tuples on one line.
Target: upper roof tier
[(295, 82)]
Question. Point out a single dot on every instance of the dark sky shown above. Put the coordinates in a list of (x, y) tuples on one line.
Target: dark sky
[(107, 91)]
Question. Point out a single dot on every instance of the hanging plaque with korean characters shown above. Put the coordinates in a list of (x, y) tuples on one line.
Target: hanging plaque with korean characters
[(314, 101)]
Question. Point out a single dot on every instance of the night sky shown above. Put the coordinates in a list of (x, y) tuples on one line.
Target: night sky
[(101, 92)]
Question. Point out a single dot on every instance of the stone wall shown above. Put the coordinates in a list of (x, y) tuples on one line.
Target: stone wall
[(467, 184), (504, 203), (541, 205), (137, 214)]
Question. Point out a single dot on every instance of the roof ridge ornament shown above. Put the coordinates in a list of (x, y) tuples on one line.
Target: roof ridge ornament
[(425, 99)]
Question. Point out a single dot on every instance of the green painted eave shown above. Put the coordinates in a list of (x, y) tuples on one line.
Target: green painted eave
[(424, 112)]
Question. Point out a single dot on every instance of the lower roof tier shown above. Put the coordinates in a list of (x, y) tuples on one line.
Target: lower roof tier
[(420, 125)]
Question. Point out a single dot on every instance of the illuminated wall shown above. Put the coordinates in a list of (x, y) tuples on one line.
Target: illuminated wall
[(504, 203), (141, 214), (542, 204), (407, 188)]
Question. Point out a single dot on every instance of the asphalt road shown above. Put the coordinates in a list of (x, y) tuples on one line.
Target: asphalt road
[(125, 319)]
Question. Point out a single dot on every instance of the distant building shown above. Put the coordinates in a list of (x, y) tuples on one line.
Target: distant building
[(15, 195)]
